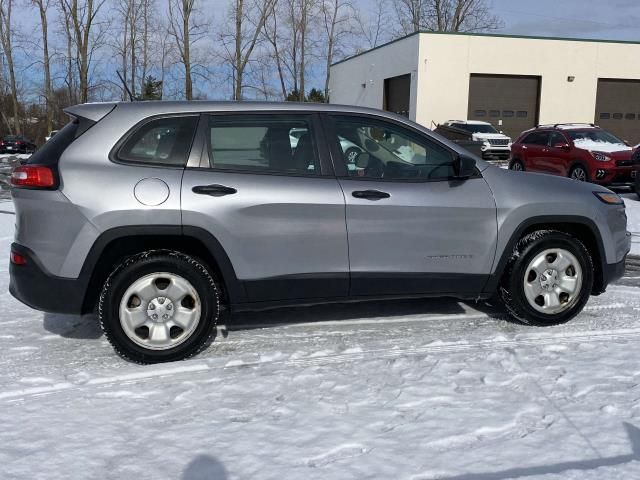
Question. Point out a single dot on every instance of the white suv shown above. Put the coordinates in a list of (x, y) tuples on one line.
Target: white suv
[(494, 143)]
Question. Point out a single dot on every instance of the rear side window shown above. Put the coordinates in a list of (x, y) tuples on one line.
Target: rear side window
[(51, 151), (536, 138), (163, 141), (261, 143)]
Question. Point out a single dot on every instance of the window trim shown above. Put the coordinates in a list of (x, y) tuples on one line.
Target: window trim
[(338, 161), (113, 153), (205, 164)]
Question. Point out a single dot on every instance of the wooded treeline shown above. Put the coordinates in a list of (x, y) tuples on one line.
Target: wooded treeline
[(55, 53)]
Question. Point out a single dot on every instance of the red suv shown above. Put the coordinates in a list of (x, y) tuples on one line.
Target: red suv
[(583, 152)]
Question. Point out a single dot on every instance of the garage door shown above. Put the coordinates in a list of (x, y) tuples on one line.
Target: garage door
[(618, 108), (397, 94), (509, 102)]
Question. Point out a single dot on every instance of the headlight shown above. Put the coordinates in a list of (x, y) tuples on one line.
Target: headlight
[(609, 198), (601, 157)]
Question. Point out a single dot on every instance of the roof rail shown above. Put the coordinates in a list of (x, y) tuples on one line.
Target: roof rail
[(571, 124)]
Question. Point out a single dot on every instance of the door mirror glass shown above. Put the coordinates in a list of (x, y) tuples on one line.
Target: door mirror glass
[(466, 166)]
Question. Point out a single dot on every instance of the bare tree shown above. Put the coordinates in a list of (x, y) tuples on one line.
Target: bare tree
[(248, 18), (273, 35), (446, 16), (43, 8), (6, 39), (185, 33), (338, 22), (82, 15), (373, 27)]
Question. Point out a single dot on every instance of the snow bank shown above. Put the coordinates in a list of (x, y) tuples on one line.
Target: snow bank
[(632, 204), (597, 146)]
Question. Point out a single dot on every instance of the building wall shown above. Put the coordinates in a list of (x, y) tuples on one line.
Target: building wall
[(370, 69), (442, 63)]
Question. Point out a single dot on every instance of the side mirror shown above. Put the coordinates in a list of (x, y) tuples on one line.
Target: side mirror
[(362, 160), (465, 166), (562, 146)]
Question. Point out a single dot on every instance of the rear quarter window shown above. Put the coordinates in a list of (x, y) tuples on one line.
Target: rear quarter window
[(161, 141)]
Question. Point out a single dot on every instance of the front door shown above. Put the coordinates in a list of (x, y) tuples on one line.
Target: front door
[(264, 193), (412, 227)]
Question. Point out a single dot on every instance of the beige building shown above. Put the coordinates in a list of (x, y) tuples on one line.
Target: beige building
[(513, 82)]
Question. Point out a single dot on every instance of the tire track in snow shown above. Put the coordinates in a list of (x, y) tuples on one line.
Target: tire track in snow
[(152, 373)]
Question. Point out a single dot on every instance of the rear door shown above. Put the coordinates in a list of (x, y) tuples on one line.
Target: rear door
[(265, 190), (534, 149), (412, 228)]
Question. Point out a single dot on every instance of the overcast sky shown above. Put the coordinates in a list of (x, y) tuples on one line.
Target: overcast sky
[(602, 19)]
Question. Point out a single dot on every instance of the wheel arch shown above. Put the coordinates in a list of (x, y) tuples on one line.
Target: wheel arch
[(115, 244), (579, 163), (583, 228)]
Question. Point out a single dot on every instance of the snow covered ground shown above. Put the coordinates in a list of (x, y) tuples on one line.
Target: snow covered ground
[(410, 390), (632, 202)]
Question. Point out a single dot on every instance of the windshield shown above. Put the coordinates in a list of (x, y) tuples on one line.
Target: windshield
[(593, 135), (475, 128)]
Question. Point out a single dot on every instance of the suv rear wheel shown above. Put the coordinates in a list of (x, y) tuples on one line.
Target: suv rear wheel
[(548, 279), (516, 165), (159, 306)]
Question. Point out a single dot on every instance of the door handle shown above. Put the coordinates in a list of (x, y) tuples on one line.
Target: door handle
[(213, 190), (370, 194)]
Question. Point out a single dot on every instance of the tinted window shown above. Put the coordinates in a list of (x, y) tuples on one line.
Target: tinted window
[(480, 113), (508, 113), (475, 127), (605, 116), (494, 113), (556, 139), (630, 116), (617, 116), (536, 138), (51, 151), (390, 152), (163, 141), (522, 114), (261, 143)]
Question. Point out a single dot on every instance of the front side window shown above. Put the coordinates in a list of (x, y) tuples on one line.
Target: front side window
[(557, 139), (380, 150), (163, 141), (279, 144)]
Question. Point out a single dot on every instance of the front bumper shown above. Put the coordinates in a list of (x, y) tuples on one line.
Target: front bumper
[(616, 177), (37, 288), (613, 272)]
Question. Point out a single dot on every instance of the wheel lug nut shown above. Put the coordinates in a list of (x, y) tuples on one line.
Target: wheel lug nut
[(169, 307), (160, 300), (152, 306), (154, 316), (165, 316)]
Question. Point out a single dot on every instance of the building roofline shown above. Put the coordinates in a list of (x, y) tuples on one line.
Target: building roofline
[(490, 35)]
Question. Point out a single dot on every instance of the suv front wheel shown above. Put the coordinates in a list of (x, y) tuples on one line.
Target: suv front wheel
[(548, 279), (159, 306)]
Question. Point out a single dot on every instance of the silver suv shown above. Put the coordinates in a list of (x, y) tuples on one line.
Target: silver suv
[(161, 214)]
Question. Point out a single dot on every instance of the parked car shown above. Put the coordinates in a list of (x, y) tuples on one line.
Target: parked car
[(351, 150), (16, 144), (494, 143), (51, 134), (582, 152), (210, 207)]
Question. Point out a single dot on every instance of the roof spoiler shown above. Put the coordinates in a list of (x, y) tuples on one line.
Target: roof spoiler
[(92, 111)]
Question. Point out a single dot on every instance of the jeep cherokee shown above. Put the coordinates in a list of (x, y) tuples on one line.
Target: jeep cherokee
[(160, 214)]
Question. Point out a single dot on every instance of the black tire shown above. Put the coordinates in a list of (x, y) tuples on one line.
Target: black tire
[(636, 187), (579, 167), (512, 284), (515, 163), (137, 266)]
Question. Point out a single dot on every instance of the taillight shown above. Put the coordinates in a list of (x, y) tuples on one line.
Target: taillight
[(33, 176), (18, 259)]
